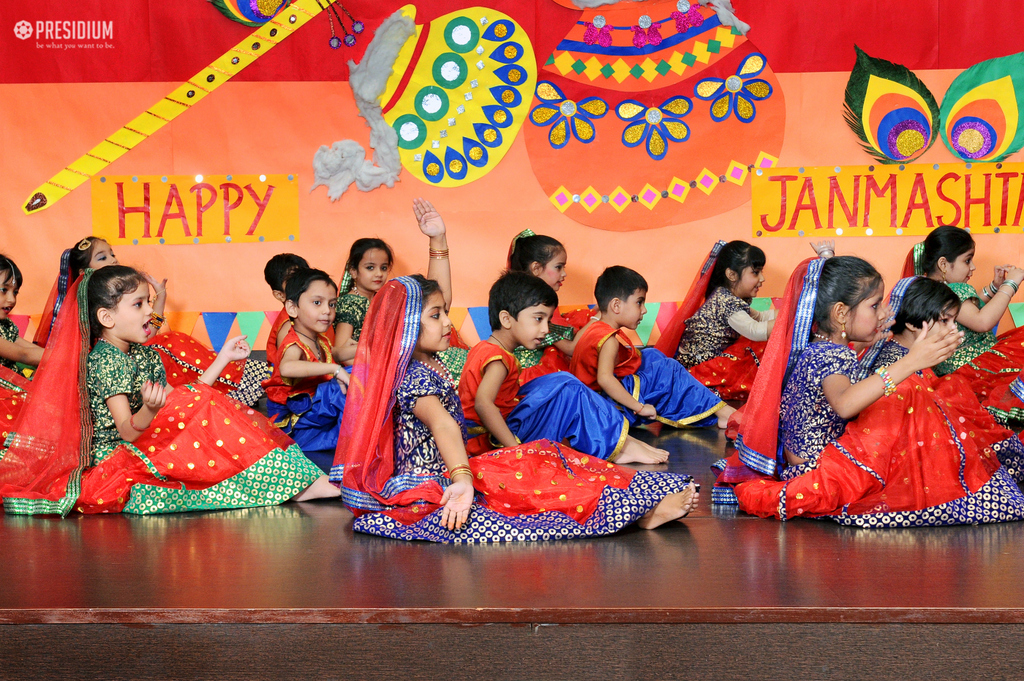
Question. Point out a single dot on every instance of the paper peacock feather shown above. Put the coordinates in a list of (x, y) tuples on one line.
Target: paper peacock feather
[(981, 110), (250, 12), (890, 110)]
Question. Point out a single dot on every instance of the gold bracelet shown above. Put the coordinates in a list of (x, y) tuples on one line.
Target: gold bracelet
[(439, 255), (461, 468)]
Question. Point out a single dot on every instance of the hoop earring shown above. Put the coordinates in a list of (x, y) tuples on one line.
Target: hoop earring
[(843, 334)]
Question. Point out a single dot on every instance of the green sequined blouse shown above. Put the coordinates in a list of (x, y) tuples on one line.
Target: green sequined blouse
[(975, 342), (351, 309), (112, 372), (9, 332)]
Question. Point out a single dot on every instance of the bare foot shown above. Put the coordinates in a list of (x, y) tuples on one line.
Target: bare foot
[(636, 451), (322, 488), (723, 416), (673, 507)]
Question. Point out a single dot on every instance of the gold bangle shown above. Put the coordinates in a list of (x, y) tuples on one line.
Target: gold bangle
[(461, 468)]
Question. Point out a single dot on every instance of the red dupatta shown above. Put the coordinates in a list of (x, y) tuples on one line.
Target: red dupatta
[(758, 441), (668, 344), (364, 462), (912, 265), (50, 443), (55, 300)]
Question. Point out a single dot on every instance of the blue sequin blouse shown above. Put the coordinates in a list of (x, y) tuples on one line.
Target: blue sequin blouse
[(416, 451), (807, 422)]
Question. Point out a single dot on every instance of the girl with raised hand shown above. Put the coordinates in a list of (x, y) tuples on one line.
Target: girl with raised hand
[(872, 449), (715, 333), (117, 438), (545, 257), (402, 461), (369, 267), (184, 358), (947, 255)]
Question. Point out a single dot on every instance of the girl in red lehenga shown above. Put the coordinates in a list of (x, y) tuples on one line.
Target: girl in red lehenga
[(715, 334), (103, 433), (402, 458), (545, 257), (13, 349), (882, 449), (988, 363), (184, 358)]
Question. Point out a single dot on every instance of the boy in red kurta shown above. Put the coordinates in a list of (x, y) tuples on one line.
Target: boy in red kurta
[(646, 384), (554, 407)]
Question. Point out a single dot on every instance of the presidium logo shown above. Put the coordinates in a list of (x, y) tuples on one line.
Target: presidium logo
[(66, 35)]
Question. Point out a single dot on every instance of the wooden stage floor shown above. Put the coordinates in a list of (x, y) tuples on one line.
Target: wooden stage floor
[(292, 592)]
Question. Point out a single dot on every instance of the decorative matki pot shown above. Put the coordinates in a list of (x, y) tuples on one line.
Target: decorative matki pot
[(459, 93), (651, 114)]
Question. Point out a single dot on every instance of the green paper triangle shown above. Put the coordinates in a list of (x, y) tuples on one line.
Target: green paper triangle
[(761, 304), (250, 323), (647, 323), (1017, 313)]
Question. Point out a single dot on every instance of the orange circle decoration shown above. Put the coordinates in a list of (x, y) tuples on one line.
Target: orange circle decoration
[(626, 138)]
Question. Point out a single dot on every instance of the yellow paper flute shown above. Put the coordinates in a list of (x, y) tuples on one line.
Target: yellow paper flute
[(180, 100)]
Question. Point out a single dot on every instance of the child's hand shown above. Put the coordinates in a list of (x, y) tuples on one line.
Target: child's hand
[(457, 500), (647, 411), (153, 396), (342, 377), (1015, 274), (428, 218), (159, 287), (235, 349), (825, 248), (933, 345), (999, 275)]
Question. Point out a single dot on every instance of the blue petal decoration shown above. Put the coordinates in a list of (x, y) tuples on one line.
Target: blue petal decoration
[(728, 111), (583, 111), (568, 133), (636, 117), (664, 106), (651, 131), (499, 91), (713, 95), (558, 91), (492, 31), (499, 55), (428, 158), (669, 136), (481, 134), (639, 140), (468, 145), (451, 156), (506, 74), (492, 109), (751, 95), (734, 105), (751, 74), (572, 124)]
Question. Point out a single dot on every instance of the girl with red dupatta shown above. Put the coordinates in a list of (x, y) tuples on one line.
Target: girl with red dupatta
[(882, 449), (989, 363), (545, 257), (103, 433), (184, 358), (715, 334), (13, 349), (402, 462)]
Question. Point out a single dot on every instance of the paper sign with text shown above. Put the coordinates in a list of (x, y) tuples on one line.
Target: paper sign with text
[(883, 200), (193, 209)]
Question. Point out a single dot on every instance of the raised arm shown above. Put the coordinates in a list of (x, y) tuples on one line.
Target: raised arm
[(432, 225)]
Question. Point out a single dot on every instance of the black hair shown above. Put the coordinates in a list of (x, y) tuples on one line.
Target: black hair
[(300, 281), (530, 249), (10, 271), (280, 267), (735, 256), (107, 287), (844, 279), (617, 282), (428, 286), (944, 242), (359, 249), (924, 301), (513, 292), (81, 255)]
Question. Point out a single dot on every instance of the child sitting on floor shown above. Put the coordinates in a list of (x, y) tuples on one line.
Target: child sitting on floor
[(276, 273), (552, 407), (13, 348), (402, 459), (648, 385), (302, 400)]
